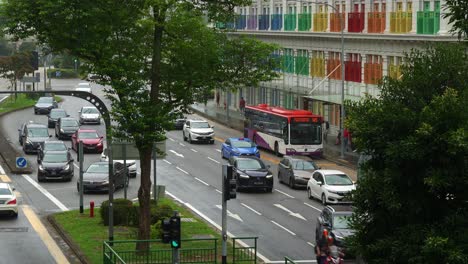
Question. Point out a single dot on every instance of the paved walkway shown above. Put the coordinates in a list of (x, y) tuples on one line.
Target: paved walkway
[(236, 120)]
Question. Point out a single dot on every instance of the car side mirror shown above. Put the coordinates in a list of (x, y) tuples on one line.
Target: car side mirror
[(68, 115), (319, 183), (101, 137), (13, 188), (187, 126), (79, 112), (19, 129), (268, 166)]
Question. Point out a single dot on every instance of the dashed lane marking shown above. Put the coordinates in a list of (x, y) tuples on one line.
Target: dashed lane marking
[(198, 179), (311, 206), (194, 150), (171, 139), (251, 209), (5, 178), (290, 196), (284, 228), (219, 191), (218, 150), (182, 170), (183, 145), (213, 160), (311, 244), (168, 162)]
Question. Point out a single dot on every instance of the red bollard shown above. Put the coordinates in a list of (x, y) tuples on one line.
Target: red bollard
[(91, 209)]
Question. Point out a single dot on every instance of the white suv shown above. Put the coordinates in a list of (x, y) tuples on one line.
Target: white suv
[(198, 130)]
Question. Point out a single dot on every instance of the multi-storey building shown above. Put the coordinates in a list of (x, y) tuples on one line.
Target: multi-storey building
[(376, 33)]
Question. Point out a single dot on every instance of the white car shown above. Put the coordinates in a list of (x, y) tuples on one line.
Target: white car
[(330, 186), (89, 114), (131, 164), (8, 202), (198, 130), (84, 86)]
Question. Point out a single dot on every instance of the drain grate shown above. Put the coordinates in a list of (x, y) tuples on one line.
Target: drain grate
[(13, 229)]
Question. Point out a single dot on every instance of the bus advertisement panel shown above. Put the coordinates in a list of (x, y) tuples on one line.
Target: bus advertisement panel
[(284, 131)]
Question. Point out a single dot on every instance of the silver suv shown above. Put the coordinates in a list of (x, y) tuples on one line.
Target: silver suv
[(198, 130)]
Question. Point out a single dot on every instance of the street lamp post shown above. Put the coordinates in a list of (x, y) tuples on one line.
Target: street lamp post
[(342, 112), (76, 66)]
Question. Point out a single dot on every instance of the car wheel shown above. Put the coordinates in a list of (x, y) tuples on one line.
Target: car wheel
[(279, 177), (309, 194), (183, 134), (292, 184), (269, 190), (40, 179), (78, 187), (190, 139), (212, 142), (14, 214), (277, 150), (324, 199)]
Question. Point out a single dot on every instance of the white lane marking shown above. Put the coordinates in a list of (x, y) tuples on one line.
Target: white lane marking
[(165, 160), (312, 245), (218, 150), (171, 139), (194, 150), (290, 196), (182, 170), (198, 179), (284, 228), (181, 144), (219, 191), (46, 193), (251, 209), (2, 171), (311, 206), (229, 213), (76, 166), (298, 215), (177, 154), (213, 160), (213, 223)]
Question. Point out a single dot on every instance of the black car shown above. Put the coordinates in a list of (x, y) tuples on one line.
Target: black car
[(96, 177), (179, 123), (44, 105), (65, 127), (32, 135), (54, 115), (56, 165), (336, 220), (251, 173), (50, 146), (296, 170)]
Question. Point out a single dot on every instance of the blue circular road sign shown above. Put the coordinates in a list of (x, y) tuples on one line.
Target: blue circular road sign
[(21, 162)]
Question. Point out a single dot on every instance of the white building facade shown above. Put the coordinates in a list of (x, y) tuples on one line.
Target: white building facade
[(376, 33)]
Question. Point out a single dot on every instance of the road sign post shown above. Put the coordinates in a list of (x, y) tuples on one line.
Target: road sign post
[(124, 150), (80, 159), (228, 193), (21, 162)]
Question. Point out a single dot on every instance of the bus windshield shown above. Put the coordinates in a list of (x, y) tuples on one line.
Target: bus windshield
[(306, 133)]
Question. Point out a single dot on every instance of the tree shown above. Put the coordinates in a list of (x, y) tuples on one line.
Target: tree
[(6, 48), (14, 67), (457, 13), (411, 202), (157, 55)]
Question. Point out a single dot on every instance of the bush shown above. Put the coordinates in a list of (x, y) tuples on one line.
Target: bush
[(124, 212), (64, 73)]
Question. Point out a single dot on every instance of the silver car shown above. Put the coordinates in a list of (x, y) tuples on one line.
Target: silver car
[(89, 114), (8, 202)]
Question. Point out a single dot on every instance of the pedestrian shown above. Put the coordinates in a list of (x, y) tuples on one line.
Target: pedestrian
[(242, 104), (217, 98), (338, 138), (326, 129), (346, 138), (321, 249)]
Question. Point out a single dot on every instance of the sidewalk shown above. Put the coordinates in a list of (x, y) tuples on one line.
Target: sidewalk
[(331, 151)]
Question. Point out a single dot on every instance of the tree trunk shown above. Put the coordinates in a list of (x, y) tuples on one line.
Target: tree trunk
[(144, 197)]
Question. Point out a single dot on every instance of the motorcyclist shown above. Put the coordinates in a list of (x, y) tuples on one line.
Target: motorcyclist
[(334, 254)]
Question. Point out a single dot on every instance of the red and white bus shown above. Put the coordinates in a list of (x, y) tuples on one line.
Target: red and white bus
[(290, 132)]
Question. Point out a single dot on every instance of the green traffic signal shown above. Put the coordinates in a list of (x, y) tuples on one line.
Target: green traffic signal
[(174, 244)]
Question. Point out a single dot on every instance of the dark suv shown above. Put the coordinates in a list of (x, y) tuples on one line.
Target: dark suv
[(251, 173), (56, 165), (32, 135), (336, 220)]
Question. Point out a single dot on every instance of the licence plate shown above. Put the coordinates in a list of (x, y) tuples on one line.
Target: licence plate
[(258, 183), (53, 173)]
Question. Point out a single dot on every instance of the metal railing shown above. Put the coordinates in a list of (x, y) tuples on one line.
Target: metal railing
[(245, 253)]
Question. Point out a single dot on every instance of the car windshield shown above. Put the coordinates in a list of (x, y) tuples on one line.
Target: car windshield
[(55, 146), (306, 133), (338, 179), (98, 168), (55, 157), (69, 123), (45, 100), (57, 114), (341, 221), (249, 164), (38, 132), (90, 110), (304, 165), (86, 135), (200, 125), (5, 191), (242, 144)]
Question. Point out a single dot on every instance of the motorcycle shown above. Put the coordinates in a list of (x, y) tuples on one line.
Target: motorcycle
[(335, 256)]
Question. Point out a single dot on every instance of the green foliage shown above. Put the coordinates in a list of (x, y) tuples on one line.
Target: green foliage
[(27, 46), (455, 11), (64, 73), (411, 201), (123, 212), (6, 47)]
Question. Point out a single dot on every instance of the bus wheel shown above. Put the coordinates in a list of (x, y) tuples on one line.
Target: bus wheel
[(277, 150)]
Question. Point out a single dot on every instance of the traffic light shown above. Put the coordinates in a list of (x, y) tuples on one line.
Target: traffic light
[(34, 60), (229, 183), (166, 231), (175, 231)]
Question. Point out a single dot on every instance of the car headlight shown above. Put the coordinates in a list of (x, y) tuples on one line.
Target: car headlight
[(41, 168), (62, 131), (105, 182), (243, 175), (29, 142), (269, 176), (66, 167), (100, 143)]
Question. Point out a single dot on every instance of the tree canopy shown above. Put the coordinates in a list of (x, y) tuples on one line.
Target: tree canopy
[(457, 13), (411, 202), (156, 55)]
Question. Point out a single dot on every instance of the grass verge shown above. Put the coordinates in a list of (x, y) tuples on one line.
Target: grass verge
[(89, 233), (20, 102)]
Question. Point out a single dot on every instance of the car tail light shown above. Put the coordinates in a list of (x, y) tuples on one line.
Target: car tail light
[(12, 201)]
